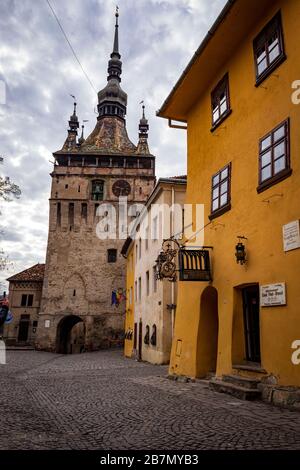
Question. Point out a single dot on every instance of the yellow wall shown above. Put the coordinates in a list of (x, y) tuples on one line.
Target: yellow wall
[(129, 318), (255, 112)]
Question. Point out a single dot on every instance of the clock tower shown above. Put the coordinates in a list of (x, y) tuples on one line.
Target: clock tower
[(83, 295)]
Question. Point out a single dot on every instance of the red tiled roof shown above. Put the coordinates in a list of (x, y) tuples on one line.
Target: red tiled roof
[(35, 273), (182, 177)]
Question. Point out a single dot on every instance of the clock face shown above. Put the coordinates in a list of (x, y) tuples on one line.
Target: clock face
[(121, 188)]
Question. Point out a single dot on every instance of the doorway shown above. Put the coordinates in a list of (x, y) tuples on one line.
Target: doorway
[(23, 328), (140, 344), (70, 337), (251, 323), (207, 338)]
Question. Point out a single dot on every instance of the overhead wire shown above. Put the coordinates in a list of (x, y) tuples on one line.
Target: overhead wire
[(70, 45)]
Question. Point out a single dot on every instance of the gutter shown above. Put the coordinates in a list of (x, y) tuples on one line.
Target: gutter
[(198, 52)]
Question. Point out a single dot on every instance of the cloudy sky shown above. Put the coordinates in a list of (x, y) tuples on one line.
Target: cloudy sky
[(157, 39)]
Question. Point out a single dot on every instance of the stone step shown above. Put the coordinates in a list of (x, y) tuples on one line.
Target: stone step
[(235, 390), (246, 382)]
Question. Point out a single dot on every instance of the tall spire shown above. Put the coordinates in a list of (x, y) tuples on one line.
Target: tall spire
[(114, 64), (116, 38), (112, 100), (142, 147)]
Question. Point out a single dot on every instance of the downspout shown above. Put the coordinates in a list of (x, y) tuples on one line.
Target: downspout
[(173, 283)]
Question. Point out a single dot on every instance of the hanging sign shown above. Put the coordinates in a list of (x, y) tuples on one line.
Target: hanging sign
[(291, 236), (273, 295)]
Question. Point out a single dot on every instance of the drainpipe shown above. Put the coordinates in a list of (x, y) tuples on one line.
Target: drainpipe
[(173, 283)]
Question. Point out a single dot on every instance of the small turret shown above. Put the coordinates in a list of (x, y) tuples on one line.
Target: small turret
[(70, 143), (143, 148)]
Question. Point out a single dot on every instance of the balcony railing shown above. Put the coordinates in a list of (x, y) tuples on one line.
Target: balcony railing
[(194, 265)]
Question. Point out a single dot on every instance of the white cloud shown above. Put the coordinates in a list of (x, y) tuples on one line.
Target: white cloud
[(157, 39)]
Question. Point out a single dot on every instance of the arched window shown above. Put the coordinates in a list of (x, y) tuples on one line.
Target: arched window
[(112, 255), (146, 338), (153, 336), (97, 190)]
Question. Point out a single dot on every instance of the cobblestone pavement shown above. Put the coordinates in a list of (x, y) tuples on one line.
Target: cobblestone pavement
[(103, 401)]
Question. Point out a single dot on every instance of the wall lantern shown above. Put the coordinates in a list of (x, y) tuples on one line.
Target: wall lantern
[(240, 251)]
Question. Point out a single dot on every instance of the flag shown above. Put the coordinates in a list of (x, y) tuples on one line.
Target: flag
[(117, 296), (9, 318), (114, 300)]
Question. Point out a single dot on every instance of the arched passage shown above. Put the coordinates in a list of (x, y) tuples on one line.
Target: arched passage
[(70, 336), (207, 341)]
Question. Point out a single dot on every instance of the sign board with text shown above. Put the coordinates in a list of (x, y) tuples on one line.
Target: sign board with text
[(273, 295), (291, 236)]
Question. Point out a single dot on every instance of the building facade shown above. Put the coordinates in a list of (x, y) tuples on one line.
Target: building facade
[(84, 270), (151, 306), (236, 96), (25, 292)]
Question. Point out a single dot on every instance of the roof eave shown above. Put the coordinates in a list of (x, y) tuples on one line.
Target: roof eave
[(163, 111)]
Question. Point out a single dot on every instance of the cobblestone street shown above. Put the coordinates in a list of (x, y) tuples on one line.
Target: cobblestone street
[(103, 401)]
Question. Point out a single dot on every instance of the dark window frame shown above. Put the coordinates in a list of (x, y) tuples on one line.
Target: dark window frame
[(112, 254), (84, 211), (261, 40), (30, 300), (94, 196), (287, 171), (215, 96), (225, 207), (27, 300)]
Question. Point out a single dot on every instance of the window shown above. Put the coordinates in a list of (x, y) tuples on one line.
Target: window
[(274, 156), (136, 253), (84, 211), (147, 238), (27, 300), (71, 214), (130, 296), (25, 317), (154, 228), (58, 214), (220, 102), (220, 198), (98, 190), (111, 255), (147, 283), (135, 336), (154, 279), (140, 248), (268, 49), (135, 291), (147, 335), (153, 336), (140, 288)]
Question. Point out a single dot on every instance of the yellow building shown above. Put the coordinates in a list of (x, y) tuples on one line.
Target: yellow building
[(128, 252), (243, 132)]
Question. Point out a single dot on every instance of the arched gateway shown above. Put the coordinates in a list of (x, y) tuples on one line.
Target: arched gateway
[(70, 335)]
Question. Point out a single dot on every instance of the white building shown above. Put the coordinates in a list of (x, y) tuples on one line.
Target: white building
[(154, 300)]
